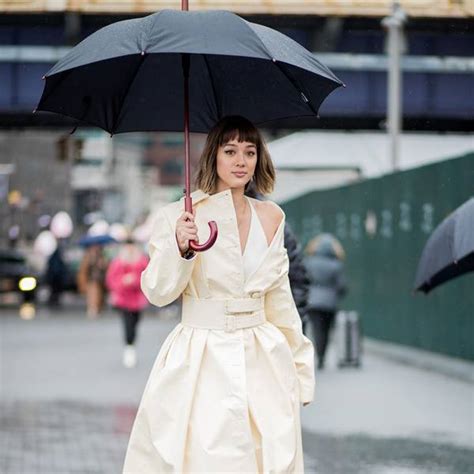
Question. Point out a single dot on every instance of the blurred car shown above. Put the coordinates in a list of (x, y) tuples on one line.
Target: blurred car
[(17, 276)]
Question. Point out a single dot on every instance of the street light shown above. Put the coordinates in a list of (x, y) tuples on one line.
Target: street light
[(394, 25)]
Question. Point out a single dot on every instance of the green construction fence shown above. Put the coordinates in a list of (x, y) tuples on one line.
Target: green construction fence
[(383, 225)]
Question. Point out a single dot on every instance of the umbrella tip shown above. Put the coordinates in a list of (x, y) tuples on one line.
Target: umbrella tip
[(274, 60), (111, 135), (43, 77), (34, 111), (343, 85), (143, 53)]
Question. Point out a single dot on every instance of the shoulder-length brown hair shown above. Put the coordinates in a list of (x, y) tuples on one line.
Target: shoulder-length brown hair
[(227, 129)]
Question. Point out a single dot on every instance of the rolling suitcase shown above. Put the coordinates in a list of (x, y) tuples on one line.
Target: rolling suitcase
[(348, 339)]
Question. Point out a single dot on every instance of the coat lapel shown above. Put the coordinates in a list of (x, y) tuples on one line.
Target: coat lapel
[(226, 255)]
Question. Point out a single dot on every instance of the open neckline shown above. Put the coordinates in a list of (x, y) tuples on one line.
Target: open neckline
[(254, 216), (267, 250), (242, 251), (227, 195)]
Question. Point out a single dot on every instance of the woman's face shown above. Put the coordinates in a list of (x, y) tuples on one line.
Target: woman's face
[(236, 163)]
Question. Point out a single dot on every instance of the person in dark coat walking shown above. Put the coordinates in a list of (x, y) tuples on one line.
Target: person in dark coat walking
[(56, 276), (298, 275), (327, 287)]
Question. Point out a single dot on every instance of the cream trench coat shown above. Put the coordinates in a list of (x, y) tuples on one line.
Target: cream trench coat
[(222, 401)]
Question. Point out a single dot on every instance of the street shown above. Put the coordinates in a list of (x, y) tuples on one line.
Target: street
[(67, 403)]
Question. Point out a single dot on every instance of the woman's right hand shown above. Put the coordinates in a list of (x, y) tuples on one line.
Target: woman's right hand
[(186, 230)]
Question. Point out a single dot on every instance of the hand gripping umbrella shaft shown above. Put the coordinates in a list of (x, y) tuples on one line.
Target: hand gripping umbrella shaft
[(188, 202)]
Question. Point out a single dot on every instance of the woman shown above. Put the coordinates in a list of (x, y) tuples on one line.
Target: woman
[(327, 287), (123, 281), (224, 393), (91, 279)]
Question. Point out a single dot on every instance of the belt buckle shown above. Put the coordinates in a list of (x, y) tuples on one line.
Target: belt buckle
[(229, 323)]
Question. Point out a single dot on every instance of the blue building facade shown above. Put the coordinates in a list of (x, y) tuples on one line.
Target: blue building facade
[(431, 100)]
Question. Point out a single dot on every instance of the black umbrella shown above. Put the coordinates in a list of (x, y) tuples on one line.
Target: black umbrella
[(449, 251), (175, 68)]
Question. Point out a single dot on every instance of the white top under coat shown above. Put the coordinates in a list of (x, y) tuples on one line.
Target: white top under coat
[(256, 245)]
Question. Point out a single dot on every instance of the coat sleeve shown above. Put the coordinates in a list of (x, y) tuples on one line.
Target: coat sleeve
[(167, 273), (281, 311)]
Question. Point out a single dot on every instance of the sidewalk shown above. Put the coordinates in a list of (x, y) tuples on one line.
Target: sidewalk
[(390, 399), (67, 404), (391, 416)]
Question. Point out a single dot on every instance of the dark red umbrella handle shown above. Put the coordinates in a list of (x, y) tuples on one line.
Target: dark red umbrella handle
[(210, 241), (193, 245)]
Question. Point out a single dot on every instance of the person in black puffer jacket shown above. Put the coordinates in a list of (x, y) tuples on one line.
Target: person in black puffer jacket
[(327, 287), (297, 274)]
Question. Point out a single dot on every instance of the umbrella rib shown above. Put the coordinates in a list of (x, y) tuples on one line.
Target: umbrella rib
[(285, 73), (270, 56), (143, 55), (63, 76), (218, 105), (295, 84)]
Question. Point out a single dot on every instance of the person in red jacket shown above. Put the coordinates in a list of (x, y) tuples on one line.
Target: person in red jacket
[(123, 282)]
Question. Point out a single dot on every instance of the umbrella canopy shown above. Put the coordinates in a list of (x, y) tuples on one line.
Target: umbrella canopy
[(128, 76), (179, 69), (449, 251), (89, 240)]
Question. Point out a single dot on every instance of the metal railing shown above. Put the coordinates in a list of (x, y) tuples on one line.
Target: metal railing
[(336, 61)]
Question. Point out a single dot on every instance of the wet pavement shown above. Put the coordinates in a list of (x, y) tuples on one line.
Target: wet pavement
[(60, 437), (67, 404), (362, 454)]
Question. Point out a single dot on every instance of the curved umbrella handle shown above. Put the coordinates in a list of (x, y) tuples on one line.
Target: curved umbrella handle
[(210, 241), (193, 245)]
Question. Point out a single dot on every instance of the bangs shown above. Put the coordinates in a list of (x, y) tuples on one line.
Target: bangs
[(241, 133)]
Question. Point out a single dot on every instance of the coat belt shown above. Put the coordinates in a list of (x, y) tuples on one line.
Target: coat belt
[(223, 314)]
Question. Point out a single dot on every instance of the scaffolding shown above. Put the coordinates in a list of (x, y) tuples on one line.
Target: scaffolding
[(343, 8)]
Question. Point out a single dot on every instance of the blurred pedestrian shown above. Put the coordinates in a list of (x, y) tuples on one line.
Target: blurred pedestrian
[(13, 236), (123, 281), (327, 286), (91, 279), (56, 276), (298, 275)]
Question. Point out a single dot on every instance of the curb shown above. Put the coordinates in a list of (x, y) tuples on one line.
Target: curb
[(450, 366)]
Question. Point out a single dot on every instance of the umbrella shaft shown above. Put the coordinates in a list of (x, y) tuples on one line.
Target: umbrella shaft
[(187, 166), (187, 173)]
